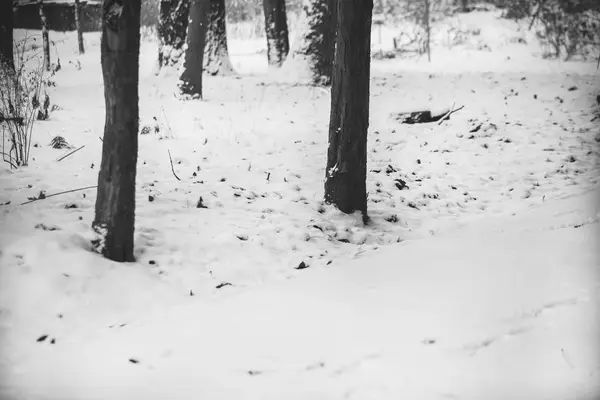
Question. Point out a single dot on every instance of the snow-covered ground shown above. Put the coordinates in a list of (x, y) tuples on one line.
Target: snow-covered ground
[(480, 280)]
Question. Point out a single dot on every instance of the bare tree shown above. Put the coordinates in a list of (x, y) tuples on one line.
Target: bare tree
[(190, 81), (6, 34), (312, 53), (346, 173), (276, 29), (78, 27), (216, 55), (45, 38), (172, 27), (115, 203)]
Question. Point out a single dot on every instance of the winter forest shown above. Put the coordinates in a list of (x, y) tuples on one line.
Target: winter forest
[(300, 199)]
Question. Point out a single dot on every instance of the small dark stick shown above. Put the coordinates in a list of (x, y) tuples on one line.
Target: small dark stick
[(173, 168), (67, 155), (56, 194)]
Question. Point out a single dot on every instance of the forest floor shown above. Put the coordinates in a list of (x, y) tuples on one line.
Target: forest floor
[(477, 276)]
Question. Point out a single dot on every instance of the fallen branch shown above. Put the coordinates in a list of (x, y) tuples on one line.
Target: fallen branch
[(424, 116), (59, 193), (449, 113), (446, 115), (173, 168), (67, 155)]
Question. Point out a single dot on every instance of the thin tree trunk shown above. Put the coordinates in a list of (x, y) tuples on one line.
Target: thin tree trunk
[(190, 81), (115, 203), (216, 55), (45, 39), (172, 28), (464, 4), (427, 23), (6, 34), (276, 28), (78, 27), (313, 52), (346, 173)]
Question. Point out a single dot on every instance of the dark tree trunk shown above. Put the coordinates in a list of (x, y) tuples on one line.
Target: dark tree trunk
[(278, 44), (346, 174), (6, 34), (172, 28), (314, 50), (216, 55), (78, 27), (45, 39), (190, 81), (464, 5), (115, 202)]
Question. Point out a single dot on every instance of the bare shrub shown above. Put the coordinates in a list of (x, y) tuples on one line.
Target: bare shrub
[(20, 104), (568, 30)]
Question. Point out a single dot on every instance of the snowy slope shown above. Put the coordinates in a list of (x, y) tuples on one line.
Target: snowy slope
[(504, 313)]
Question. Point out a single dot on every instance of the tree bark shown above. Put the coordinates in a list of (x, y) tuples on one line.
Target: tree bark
[(172, 28), (346, 174), (115, 203), (6, 34), (190, 81), (216, 55), (313, 52), (276, 28), (78, 27), (45, 38)]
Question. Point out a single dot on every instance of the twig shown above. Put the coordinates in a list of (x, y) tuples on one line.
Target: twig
[(449, 113), (67, 155), (56, 194), (172, 168), (446, 114), (9, 160), (100, 139), (167, 121)]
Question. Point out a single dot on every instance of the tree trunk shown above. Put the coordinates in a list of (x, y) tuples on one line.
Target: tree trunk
[(115, 202), (78, 27), (276, 29), (464, 4), (45, 39), (313, 51), (172, 27), (190, 81), (6, 34), (346, 174), (427, 24), (216, 56)]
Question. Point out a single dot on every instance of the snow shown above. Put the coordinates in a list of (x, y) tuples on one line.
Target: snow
[(478, 281)]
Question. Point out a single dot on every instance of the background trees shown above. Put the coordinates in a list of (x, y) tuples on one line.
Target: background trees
[(346, 172), (312, 54), (172, 27), (190, 81), (45, 38), (276, 30), (78, 28), (6, 33), (115, 203), (216, 55)]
